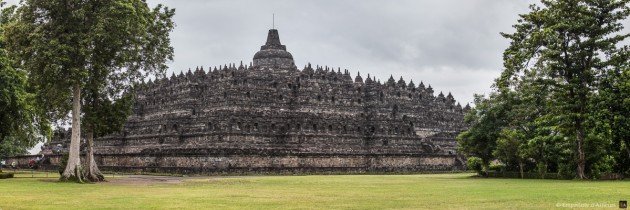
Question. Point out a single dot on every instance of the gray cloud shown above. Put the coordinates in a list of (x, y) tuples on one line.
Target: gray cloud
[(453, 45)]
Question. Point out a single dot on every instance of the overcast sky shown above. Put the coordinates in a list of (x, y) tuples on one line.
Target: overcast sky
[(453, 45)]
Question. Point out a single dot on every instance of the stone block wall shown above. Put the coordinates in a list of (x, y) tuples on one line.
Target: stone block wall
[(273, 116)]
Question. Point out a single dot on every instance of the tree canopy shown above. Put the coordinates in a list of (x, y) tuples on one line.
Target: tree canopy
[(562, 74), (21, 124), (91, 53)]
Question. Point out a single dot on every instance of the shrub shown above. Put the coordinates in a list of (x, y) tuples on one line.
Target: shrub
[(474, 163), (496, 167), (6, 175)]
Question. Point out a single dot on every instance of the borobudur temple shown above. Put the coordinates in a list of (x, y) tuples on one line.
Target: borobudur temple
[(270, 116)]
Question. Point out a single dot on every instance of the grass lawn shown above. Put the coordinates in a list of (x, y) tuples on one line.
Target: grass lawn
[(435, 191)]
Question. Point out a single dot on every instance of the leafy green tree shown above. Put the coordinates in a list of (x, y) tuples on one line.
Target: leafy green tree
[(21, 125), (98, 48), (546, 146), (511, 148), (621, 118), (141, 45), (571, 42), (487, 119), (12, 147), (611, 106), (527, 104)]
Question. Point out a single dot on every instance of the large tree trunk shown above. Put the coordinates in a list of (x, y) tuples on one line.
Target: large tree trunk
[(581, 160), (580, 111), (93, 173), (73, 167)]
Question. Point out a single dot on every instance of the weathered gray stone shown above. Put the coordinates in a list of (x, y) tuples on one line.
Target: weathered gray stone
[(271, 116)]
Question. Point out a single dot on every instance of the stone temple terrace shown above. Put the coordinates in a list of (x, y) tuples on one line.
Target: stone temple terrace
[(270, 116)]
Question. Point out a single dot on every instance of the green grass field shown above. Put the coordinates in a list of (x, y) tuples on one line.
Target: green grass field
[(435, 191)]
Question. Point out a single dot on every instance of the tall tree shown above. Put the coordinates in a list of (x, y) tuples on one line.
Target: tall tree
[(139, 45), (21, 125), (526, 104), (572, 42), (98, 48)]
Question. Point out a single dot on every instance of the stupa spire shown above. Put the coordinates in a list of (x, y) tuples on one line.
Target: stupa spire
[(273, 41)]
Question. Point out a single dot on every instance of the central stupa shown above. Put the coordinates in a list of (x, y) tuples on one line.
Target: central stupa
[(273, 53)]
